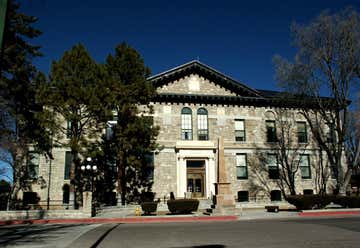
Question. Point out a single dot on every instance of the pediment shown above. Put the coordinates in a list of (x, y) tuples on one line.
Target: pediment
[(195, 78), (196, 85)]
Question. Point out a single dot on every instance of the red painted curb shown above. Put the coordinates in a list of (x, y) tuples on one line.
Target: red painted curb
[(332, 213), (121, 220)]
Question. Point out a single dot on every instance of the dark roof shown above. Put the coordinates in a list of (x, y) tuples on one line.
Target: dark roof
[(244, 94)]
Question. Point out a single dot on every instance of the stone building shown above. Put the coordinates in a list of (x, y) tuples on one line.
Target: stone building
[(195, 107)]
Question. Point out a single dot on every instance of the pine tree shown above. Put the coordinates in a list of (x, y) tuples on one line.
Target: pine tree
[(75, 109), (134, 133), (18, 107)]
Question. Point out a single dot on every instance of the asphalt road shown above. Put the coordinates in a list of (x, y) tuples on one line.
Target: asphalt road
[(49, 235), (256, 233), (299, 232)]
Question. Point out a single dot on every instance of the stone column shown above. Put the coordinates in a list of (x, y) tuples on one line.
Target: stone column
[(224, 196), (87, 203)]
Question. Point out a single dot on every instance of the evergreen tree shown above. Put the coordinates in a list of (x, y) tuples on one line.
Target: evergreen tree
[(134, 133), (75, 109), (18, 107)]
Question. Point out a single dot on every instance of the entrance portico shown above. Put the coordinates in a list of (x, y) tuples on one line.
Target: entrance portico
[(195, 168)]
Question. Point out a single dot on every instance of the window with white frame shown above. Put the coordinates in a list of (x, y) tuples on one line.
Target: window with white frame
[(186, 124), (241, 166), (202, 116), (302, 132), (68, 129), (240, 130), (67, 167), (33, 164), (305, 166), (271, 131), (273, 166)]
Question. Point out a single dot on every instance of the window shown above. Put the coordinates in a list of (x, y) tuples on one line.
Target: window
[(148, 170), (33, 165), (271, 131), (241, 166), (202, 115), (68, 160), (275, 195), (273, 167), (66, 194), (240, 130), (30, 198), (186, 124), (109, 132), (308, 192), (68, 129), (305, 167), (301, 132), (243, 196)]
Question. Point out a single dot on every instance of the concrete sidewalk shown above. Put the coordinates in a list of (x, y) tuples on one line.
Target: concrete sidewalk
[(196, 217)]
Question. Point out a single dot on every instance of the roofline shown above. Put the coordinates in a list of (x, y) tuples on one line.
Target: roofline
[(173, 69), (207, 67)]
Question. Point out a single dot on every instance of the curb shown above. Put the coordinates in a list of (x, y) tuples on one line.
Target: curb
[(122, 220), (329, 213)]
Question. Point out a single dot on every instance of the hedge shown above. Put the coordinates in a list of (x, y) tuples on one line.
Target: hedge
[(149, 207), (305, 202), (348, 201), (183, 206)]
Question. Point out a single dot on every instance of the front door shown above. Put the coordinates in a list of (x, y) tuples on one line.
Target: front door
[(196, 178)]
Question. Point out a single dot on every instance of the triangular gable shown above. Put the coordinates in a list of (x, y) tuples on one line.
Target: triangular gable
[(168, 81)]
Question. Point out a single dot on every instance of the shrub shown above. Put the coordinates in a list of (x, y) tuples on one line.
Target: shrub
[(147, 196), (149, 207), (348, 201), (305, 202), (183, 206)]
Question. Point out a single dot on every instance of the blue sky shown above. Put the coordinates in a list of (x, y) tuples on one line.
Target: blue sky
[(238, 38)]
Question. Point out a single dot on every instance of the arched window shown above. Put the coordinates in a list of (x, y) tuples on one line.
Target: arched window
[(203, 132), (186, 124)]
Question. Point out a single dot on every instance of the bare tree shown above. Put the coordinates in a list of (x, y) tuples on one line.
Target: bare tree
[(322, 172), (282, 162), (327, 61)]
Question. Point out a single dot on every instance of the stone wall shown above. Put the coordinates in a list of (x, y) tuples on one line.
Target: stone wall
[(57, 180), (221, 122), (43, 214)]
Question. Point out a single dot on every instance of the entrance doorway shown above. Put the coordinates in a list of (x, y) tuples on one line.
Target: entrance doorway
[(195, 170)]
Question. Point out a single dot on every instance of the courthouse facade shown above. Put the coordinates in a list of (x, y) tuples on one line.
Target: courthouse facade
[(195, 107)]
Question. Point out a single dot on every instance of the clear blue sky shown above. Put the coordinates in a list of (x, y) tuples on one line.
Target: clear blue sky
[(239, 38)]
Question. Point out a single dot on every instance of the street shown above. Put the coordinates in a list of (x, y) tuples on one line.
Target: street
[(296, 232)]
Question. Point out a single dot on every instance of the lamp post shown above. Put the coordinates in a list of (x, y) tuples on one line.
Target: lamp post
[(89, 168)]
